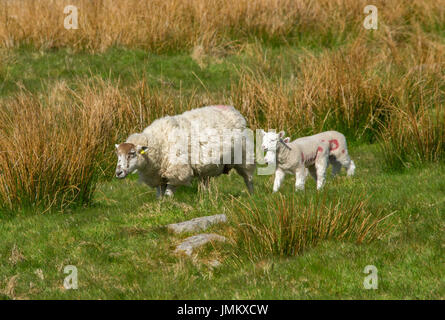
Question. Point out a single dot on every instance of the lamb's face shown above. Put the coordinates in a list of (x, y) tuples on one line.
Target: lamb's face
[(128, 158), (269, 145)]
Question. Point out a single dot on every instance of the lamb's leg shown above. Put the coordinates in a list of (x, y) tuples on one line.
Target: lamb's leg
[(170, 190), (336, 167), (279, 177), (313, 172), (351, 168), (321, 165), (348, 164), (300, 177)]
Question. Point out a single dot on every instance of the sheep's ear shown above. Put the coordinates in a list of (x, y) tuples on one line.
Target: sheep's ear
[(141, 149), (286, 140), (281, 134), (116, 145)]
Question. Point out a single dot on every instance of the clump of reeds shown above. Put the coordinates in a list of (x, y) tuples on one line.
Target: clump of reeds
[(287, 226), (52, 148)]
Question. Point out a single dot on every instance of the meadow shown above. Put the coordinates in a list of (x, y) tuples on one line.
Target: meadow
[(67, 96)]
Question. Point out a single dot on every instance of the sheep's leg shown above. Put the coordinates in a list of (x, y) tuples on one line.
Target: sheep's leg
[(170, 190), (204, 183), (247, 174), (321, 165), (160, 191), (300, 177), (279, 177)]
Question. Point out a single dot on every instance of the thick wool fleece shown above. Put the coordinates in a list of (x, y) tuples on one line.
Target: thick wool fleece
[(161, 167)]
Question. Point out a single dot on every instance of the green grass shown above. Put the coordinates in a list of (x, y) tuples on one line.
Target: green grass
[(122, 251)]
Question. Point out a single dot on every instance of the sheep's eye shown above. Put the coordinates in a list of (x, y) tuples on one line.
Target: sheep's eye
[(132, 154)]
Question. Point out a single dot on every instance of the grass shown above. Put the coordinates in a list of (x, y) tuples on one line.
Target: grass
[(121, 251), (66, 98)]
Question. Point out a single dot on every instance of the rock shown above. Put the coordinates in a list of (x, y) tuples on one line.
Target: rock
[(199, 240), (196, 224), (214, 263)]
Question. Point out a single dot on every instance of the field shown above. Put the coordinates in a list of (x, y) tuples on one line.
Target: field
[(67, 96)]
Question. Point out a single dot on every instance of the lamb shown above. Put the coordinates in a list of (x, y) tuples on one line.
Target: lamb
[(312, 152), (162, 154)]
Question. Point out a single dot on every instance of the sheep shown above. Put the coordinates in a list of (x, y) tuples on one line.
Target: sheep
[(168, 153), (312, 152)]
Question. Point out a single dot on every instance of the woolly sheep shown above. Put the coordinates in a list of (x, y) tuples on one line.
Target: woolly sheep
[(312, 152), (152, 153)]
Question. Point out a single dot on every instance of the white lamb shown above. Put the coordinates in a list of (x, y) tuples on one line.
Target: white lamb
[(152, 153), (312, 152)]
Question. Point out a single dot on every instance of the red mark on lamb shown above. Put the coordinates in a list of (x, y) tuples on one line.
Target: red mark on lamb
[(333, 144), (302, 157), (343, 151), (322, 140), (320, 149)]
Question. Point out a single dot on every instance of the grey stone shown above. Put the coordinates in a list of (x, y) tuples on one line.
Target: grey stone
[(214, 263), (190, 243), (196, 224)]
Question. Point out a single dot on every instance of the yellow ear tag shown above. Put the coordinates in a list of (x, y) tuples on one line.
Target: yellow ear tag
[(142, 152)]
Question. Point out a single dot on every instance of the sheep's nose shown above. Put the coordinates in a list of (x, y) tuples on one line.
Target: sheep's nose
[(119, 173)]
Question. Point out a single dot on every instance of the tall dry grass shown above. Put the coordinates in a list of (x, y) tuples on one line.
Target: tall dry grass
[(52, 146), (165, 25), (359, 89)]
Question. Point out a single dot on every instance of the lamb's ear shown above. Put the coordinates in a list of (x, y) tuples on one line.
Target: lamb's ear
[(116, 145), (286, 140), (141, 149), (281, 134), (262, 132)]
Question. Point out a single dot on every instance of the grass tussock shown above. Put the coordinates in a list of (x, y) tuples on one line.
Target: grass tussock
[(413, 137), (165, 25), (288, 226), (52, 147)]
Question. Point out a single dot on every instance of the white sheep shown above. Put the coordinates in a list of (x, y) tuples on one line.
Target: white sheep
[(312, 152), (162, 154)]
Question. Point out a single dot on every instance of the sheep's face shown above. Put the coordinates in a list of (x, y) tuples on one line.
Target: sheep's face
[(270, 144), (129, 158)]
